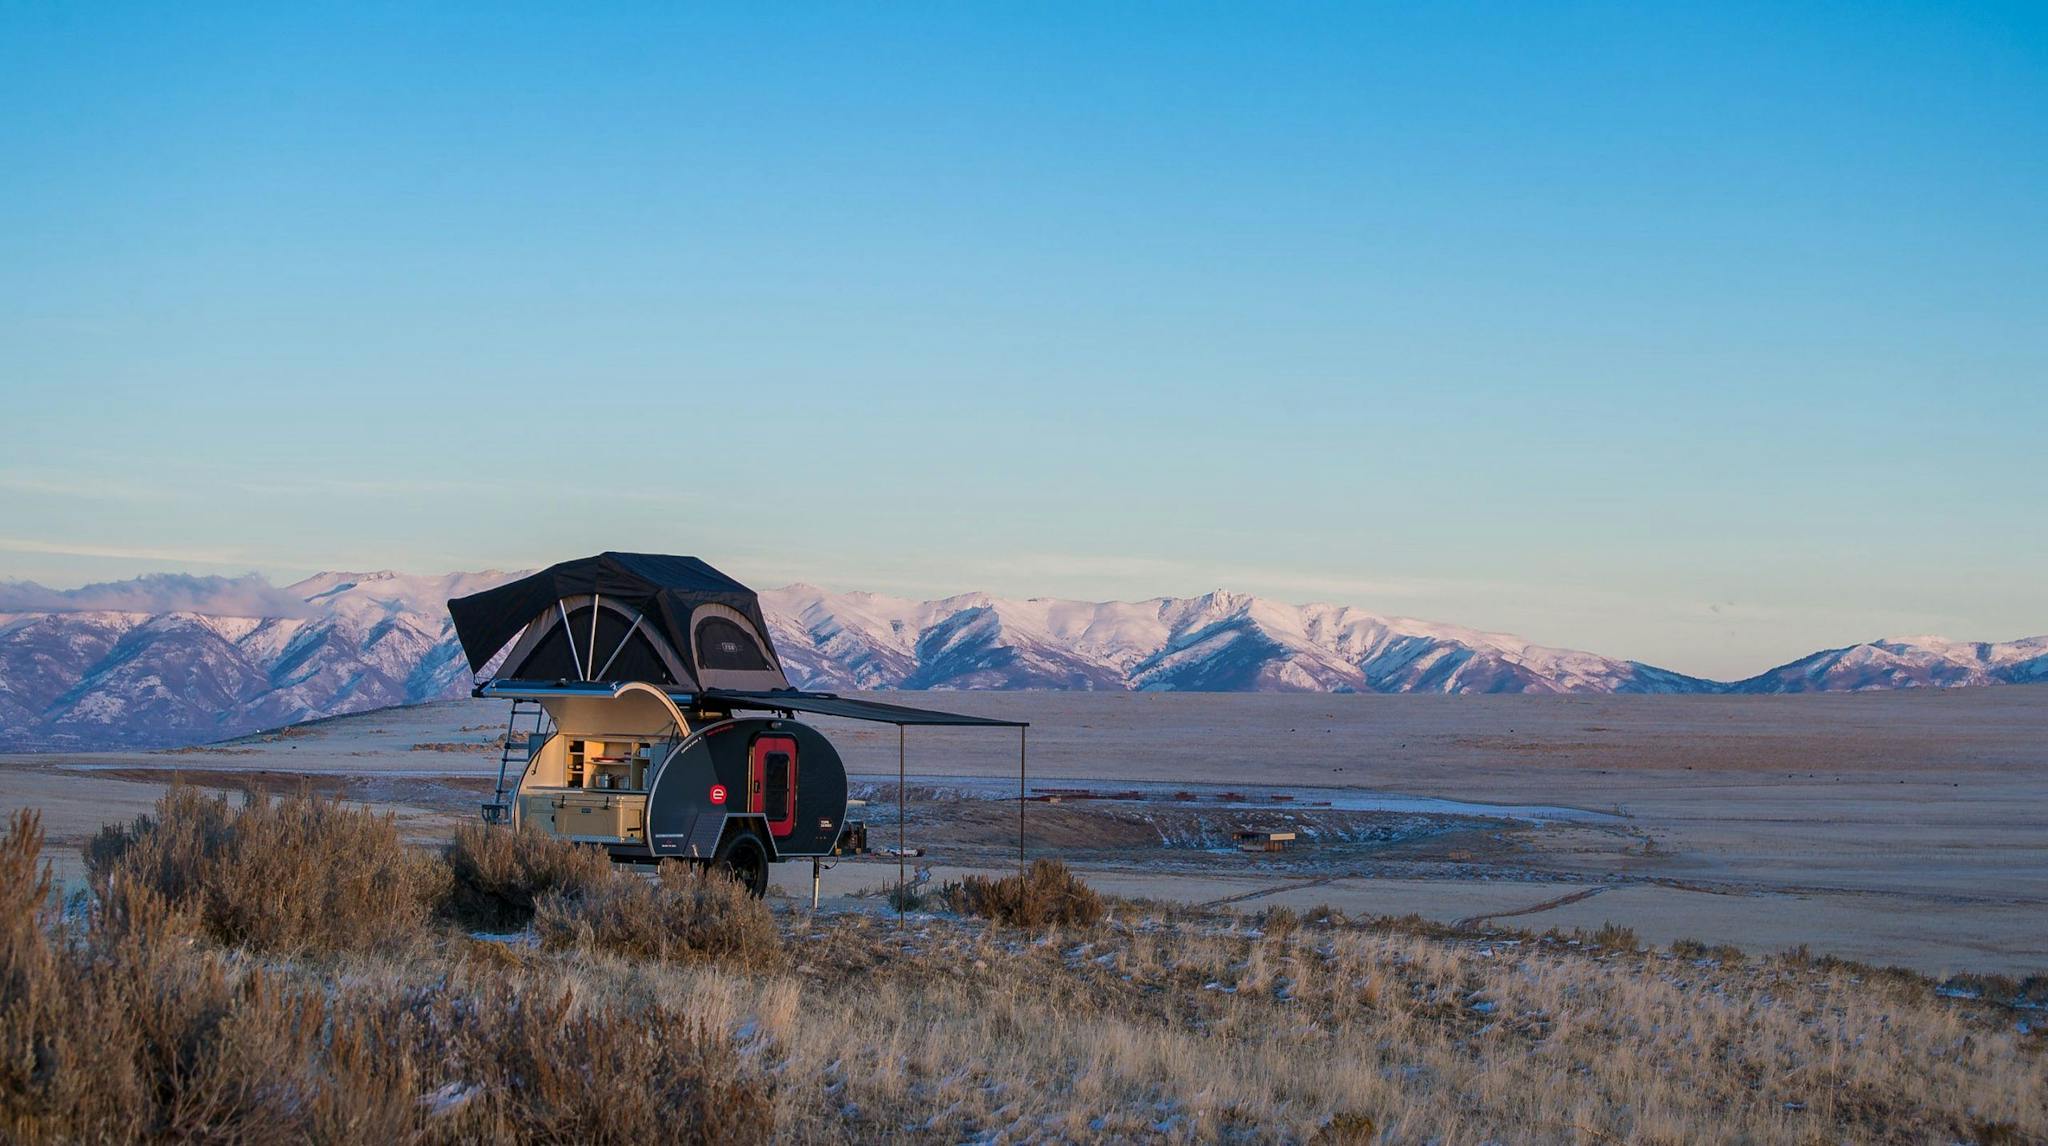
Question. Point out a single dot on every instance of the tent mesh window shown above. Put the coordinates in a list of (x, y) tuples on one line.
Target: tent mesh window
[(722, 644)]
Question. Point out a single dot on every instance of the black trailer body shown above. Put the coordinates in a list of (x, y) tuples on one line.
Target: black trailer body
[(776, 778)]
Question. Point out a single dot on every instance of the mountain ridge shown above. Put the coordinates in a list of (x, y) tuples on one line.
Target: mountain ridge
[(76, 676)]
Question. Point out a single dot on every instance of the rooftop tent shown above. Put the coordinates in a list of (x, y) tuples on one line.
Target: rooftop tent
[(672, 621)]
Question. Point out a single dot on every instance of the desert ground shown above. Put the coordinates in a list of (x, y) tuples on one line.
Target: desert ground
[(1906, 828)]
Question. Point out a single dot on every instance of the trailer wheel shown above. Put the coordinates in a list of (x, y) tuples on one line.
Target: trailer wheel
[(742, 857)]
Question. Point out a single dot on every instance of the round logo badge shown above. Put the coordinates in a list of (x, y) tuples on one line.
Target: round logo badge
[(718, 793)]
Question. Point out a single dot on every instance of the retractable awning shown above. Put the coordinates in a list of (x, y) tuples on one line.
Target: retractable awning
[(828, 704), (779, 700)]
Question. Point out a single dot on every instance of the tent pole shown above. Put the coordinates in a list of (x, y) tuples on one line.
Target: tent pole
[(622, 645), (899, 827), (1022, 732), (569, 635)]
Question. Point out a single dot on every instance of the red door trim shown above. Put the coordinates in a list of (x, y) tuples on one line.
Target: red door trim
[(783, 824)]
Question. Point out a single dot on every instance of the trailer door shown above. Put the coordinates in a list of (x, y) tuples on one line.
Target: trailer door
[(772, 783)]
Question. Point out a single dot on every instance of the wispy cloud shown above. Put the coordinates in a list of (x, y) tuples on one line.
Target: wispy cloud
[(1159, 573), (240, 559), (122, 552), (1096, 575), (367, 487), (84, 488), (372, 487), (246, 596)]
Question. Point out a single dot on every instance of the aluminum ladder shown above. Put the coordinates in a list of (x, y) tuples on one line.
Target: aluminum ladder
[(518, 746)]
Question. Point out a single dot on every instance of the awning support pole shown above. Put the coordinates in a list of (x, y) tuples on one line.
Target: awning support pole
[(1022, 732), (899, 828)]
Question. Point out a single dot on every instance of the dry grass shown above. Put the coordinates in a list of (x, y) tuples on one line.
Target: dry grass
[(684, 914), (119, 1028), (1146, 1025), (1209, 1030), (1046, 895), (500, 876), (298, 873)]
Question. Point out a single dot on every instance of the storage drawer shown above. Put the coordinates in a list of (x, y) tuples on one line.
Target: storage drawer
[(605, 815)]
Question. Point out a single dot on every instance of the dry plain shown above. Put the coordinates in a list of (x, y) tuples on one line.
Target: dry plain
[(1906, 828)]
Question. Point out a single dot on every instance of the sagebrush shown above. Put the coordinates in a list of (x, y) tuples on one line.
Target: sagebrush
[(300, 872), (498, 876), (684, 913), (120, 1030), (642, 1009), (1044, 895)]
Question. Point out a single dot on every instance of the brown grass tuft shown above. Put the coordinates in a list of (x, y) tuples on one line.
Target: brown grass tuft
[(1048, 894), (500, 875), (299, 873), (130, 1031), (687, 913), (1279, 922), (1617, 937), (1348, 1128), (530, 1066)]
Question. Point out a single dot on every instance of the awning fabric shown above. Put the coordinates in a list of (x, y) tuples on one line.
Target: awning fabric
[(667, 589), (827, 704), (790, 700)]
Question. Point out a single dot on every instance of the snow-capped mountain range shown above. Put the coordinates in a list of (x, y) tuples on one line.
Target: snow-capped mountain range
[(98, 667), (91, 677), (1909, 662), (1221, 642)]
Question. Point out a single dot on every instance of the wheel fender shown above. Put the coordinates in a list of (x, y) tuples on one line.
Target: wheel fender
[(750, 822)]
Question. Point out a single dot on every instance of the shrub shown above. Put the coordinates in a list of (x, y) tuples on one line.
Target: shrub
[(498, 876), (1346, 1127), (128, 1032), (298, 873), (33, 988), (910, 897), (25, 906), (1615, 936), (687, 913), (1047, 894), (1280, 922), (529, 1066)]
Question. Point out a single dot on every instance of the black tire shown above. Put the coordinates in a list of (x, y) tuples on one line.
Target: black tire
[(742, 856)]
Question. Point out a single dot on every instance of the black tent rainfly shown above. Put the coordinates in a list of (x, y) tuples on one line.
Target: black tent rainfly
[(663, 726), (644, 607)]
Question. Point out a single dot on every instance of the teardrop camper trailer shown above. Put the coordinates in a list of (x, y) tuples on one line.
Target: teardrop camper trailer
[(662, 726)]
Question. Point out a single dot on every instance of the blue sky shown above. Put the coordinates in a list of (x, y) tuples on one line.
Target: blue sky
[(1707, 335)]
